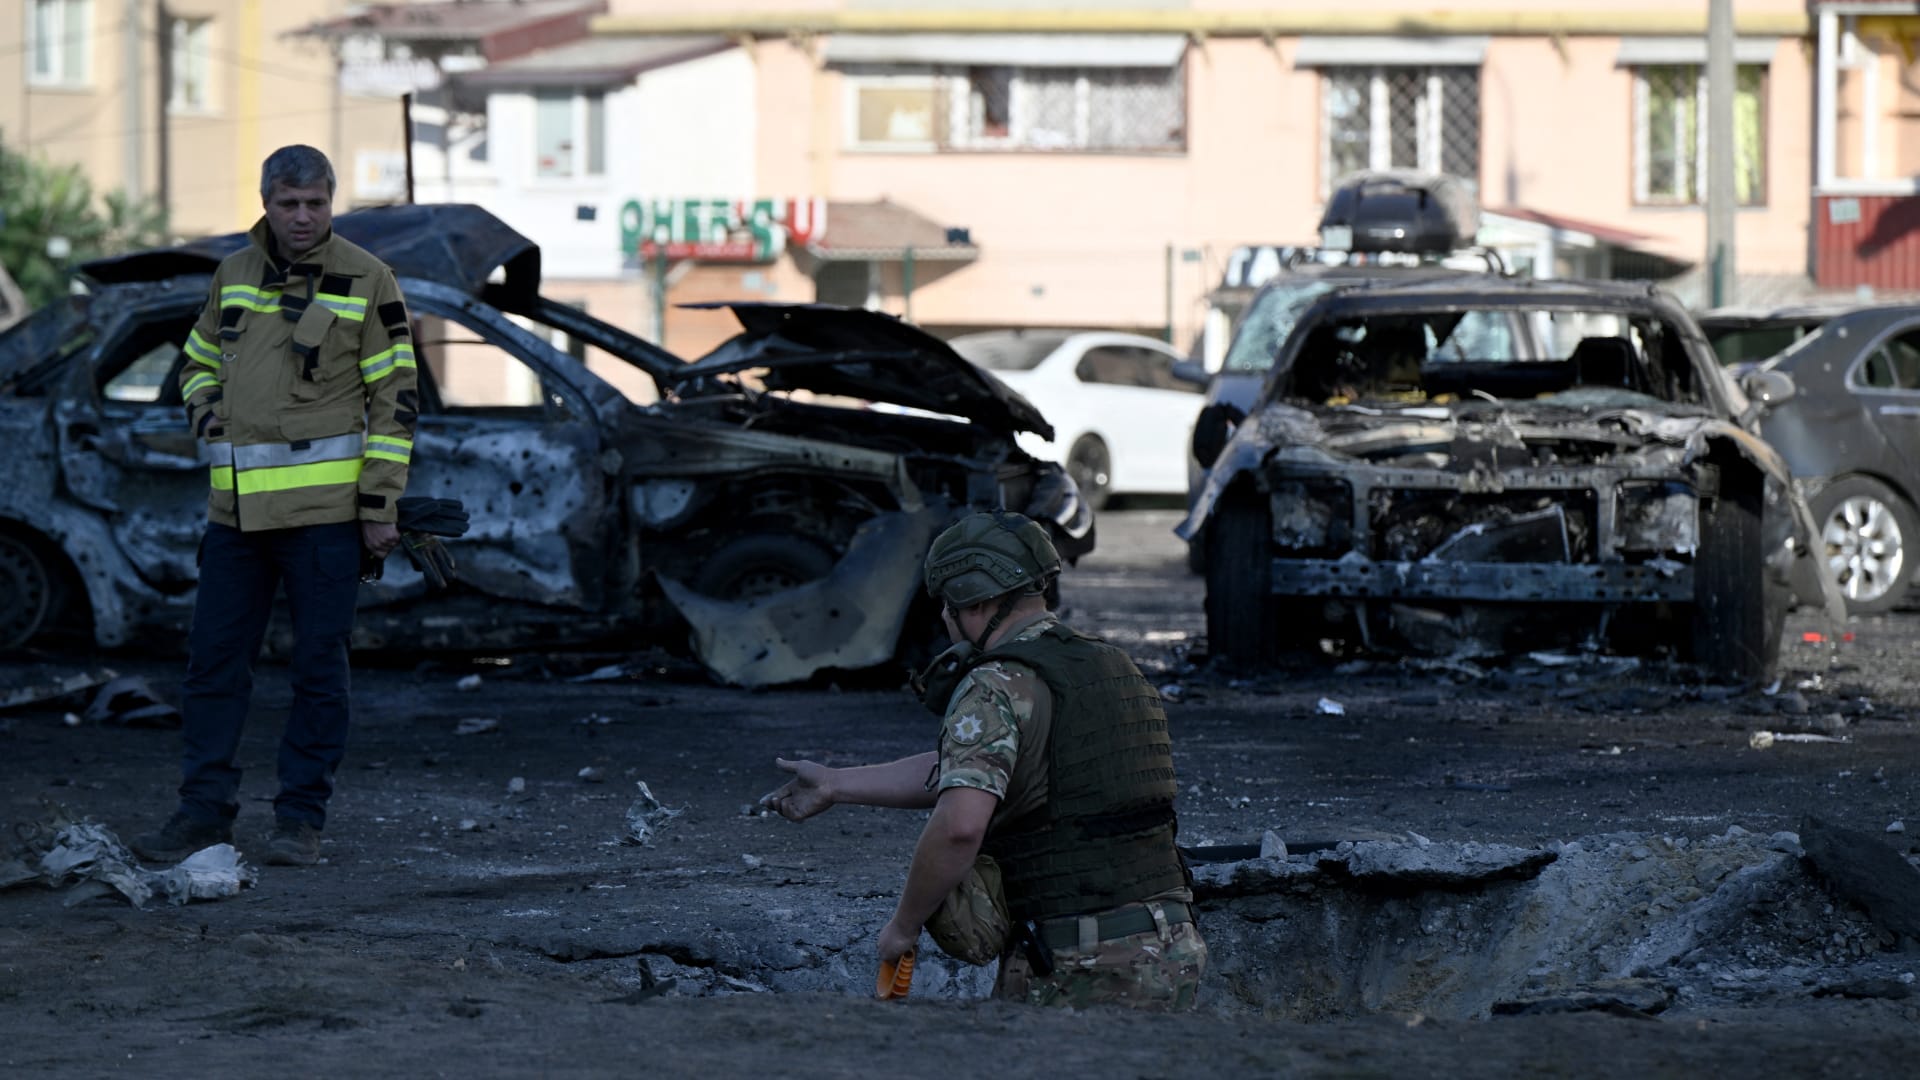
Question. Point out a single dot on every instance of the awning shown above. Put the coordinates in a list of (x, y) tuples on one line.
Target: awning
[(883, 231), (1015, 50), (1647, 51), (591, 62), (1502, 225), (1335, 50)]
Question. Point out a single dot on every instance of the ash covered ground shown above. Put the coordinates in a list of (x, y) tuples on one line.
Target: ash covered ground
[(1558, 865)]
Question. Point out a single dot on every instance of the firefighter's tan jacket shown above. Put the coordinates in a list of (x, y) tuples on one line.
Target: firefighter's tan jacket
[(301, 379)]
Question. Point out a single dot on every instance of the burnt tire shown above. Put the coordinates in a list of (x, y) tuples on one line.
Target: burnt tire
[(1090, 464), (1240, 605), (1866, 529), (27, 585), (761, 564), (1735, 632)]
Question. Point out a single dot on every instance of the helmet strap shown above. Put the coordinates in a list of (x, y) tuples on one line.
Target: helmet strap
[(1006, 607)]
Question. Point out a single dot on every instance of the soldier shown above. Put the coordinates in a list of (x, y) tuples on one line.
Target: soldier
[(1054, 760)]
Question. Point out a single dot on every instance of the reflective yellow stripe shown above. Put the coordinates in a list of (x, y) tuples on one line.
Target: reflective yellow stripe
[(199, 382), (382, 364), (223, 478), (252, 299), (389, 448), (289, 477), (350, 308), (202, 350)]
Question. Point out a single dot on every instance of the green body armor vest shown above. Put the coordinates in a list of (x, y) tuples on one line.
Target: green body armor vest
[(1106, 834)]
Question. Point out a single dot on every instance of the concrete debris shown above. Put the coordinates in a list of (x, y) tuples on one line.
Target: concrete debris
[(646, 815), (1330, 707), (592, 774), (476, 725), (1864, 870), (53, 689), (468, 682), (1271, 846), (1761, 740), (60, 851), (129, 701), (1392, 865), (1173, 693), (605, 673), (1897, 827), (71, 719), (517, 785)]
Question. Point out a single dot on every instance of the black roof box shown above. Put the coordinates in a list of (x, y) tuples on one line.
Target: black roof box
[(1400, 211)]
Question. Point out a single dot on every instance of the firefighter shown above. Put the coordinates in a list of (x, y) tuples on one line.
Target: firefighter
[(301, 383)]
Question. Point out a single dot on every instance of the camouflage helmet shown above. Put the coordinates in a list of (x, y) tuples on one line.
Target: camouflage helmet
[(989, 554)]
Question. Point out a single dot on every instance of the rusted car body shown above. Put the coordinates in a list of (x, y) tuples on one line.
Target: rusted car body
[(781, 537), (1469, 468)]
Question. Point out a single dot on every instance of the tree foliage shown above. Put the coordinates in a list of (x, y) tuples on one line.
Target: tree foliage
[(40, 201)]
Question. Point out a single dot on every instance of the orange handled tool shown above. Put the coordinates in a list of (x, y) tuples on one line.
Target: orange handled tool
[(895, 978)]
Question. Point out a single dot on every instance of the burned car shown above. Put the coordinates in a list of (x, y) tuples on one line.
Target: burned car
[(1482, 468), (778, 531)]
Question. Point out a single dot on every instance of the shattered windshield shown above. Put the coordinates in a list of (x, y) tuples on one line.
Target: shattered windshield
[(1265, 326), (1578, 359)]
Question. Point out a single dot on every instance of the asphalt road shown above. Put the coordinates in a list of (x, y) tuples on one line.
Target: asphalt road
[(481, 912)]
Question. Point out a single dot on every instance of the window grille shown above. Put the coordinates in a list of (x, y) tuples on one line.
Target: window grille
[(1425, 118)]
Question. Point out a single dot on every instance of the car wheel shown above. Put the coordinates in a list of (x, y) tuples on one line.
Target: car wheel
[(1862, 546), (761, 564), (1240, 605), (26, 592), (1735, 632), (1091, 467)]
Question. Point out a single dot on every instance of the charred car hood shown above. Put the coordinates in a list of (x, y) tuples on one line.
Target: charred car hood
[(853, 352), (456, 244)]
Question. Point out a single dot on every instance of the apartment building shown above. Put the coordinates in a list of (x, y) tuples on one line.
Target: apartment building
[(182, 100)]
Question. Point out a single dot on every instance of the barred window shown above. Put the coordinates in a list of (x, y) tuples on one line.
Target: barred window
[(1424, 118), (1021, 108), (1670, 134)]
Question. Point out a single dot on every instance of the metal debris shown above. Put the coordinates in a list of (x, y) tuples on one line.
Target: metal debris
[(1761, 740), (54, 689), (647, 816), (130, 701), (468, 682), (476, 725), (1330, 707), (60, 851)]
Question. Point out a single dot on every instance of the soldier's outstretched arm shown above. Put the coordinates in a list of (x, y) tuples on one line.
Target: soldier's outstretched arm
[(900, 784)]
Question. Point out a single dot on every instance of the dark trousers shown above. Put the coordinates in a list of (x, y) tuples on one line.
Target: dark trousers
[(239, 574)]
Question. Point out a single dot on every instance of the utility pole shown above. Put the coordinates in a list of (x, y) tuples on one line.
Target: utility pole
[(133, 58), (1721, 151), (163, 42)]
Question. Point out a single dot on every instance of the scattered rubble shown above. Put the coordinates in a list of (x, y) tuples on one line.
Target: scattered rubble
[(1867, 872), (59, 851), (646, 815), (129, 701), (55, 688)]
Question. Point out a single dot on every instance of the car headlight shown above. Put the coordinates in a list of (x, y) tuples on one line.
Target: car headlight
[(1656, 517)]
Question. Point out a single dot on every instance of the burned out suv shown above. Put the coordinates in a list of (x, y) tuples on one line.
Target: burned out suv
[(1477, 468), (776, 534)]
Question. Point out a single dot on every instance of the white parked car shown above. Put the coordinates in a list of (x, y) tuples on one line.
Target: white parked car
[(1121, 420)]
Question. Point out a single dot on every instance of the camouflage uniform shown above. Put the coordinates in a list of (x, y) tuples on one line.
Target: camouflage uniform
[(997, 710)]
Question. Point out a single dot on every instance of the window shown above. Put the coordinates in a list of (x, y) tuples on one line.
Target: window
[(192, 41), (1670, 134), (570, 134), (1130, 365), (1425, 118), (59, 33), (995, 107), (1894, 365)]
